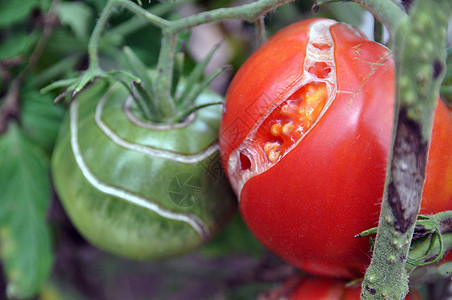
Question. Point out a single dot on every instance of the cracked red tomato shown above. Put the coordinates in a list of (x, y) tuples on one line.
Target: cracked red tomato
[(305, 140)]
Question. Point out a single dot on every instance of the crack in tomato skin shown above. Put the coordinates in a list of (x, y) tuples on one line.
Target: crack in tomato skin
[(307, 98)]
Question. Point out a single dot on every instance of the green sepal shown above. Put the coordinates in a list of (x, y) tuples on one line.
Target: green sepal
[(194, 77), (178, 72), (144, 101), (138, 68), (145, 97), (58, 84), (195, 91)]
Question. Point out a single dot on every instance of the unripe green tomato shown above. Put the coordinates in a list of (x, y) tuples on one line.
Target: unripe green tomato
[(138, 189)]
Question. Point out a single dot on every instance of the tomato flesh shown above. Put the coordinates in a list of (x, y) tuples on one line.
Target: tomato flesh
[(290, 121)]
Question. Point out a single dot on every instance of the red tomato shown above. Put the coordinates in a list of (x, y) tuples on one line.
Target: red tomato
[(331, 289), (305, 140)]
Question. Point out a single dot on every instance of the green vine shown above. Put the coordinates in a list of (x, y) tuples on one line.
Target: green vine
[(389, 12), (163, 85)]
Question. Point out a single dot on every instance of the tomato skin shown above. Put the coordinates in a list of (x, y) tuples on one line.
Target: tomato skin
[(437, 194), (124, 183), (331, 289), (309, 205)]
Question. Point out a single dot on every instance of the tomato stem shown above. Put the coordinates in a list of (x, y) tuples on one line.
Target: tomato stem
[(260, 30), (249, 12), (163, 82), (388, 12), (419, 48), (378, 31), (135, 24), (95, 36)]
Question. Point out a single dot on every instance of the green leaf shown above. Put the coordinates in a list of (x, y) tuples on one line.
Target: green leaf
[(15, 11), (76, 15), (25, 245), (19, 44), (41, 119)]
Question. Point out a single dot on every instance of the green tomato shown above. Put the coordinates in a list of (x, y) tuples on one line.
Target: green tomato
[(137, 189)]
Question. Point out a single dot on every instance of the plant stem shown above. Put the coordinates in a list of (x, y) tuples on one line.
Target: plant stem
[(378, 31), (388, 12), (46, 33), (11, 106), (419, 48), (260, 31), (106, 12), (95, 36), (164, 79), (248, 12), (138, 10), (134, 24)]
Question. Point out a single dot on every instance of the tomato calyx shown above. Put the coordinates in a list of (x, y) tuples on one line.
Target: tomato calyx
[(293, 115), (177, 106), (183, 91)]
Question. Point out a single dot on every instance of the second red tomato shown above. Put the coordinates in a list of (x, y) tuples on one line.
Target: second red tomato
[(329, 289)]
